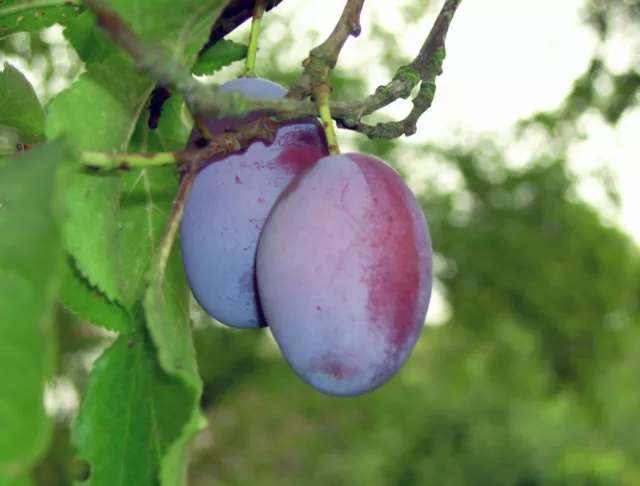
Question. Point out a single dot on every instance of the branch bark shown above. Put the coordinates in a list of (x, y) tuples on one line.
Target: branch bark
[(207, 102), (428, 65), (324, 57)]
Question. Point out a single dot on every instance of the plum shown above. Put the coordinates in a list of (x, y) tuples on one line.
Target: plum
[(344, 271), (228, 203)]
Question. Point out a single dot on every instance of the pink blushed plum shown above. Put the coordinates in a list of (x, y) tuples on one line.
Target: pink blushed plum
[(344, 269)]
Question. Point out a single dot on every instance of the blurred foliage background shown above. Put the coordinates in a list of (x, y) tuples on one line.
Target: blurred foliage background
[(531, 380)]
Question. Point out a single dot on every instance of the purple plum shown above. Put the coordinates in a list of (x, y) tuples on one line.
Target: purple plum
[(344, 269), (229, 202)]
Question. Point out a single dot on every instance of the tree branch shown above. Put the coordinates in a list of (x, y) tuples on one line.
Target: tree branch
[(208, 102), (190, 160), (324, 57), (426, 66)]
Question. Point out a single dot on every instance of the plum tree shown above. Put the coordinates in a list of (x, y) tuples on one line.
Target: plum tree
[(229, 202), (344, 271)]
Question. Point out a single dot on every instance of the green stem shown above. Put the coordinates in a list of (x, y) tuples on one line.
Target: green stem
[(322, 101), (108, 162), (256, 24), (201, 126)]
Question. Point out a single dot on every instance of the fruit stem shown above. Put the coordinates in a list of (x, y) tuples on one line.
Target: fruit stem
[(201, 126), (321, 96), (254, 35)]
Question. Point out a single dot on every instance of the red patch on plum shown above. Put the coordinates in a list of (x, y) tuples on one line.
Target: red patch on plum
[(296, 159), (393, 280), (332, 365)]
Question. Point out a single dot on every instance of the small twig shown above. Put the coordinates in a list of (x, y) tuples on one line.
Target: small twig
[(348, 25), (194, 160), (189, 160), (421, 103), (324, 57), (106, 161), (424, 68)]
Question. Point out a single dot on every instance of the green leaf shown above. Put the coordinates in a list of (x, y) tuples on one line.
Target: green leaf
[(21, 115), (32, 15), (180, 27), (148, 195), (89, 304), (166, 307), (31, 254), (166, 300), (91, 44), (98, 112), (131, 413), (221, 54), (173, 129)]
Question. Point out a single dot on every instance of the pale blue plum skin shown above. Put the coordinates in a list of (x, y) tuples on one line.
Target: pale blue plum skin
[(344, 269), (227, 206)]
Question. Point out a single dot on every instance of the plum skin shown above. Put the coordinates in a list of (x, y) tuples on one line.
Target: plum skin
[(228, 203), (345, 273)]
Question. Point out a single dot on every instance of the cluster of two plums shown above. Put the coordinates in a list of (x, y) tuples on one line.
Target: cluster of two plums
[(332, 252)]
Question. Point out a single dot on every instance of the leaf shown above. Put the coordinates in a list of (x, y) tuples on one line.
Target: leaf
[(166, 307), (21, 114), (221, 54), (160, 420), (91, 44), (179, 27), (131, 413), (147, 196), (89, 304), (166, 300), (29, 16), (98, 112), (31, 254)]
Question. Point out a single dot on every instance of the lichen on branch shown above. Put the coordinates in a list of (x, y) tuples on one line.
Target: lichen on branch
[(423, 70)]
